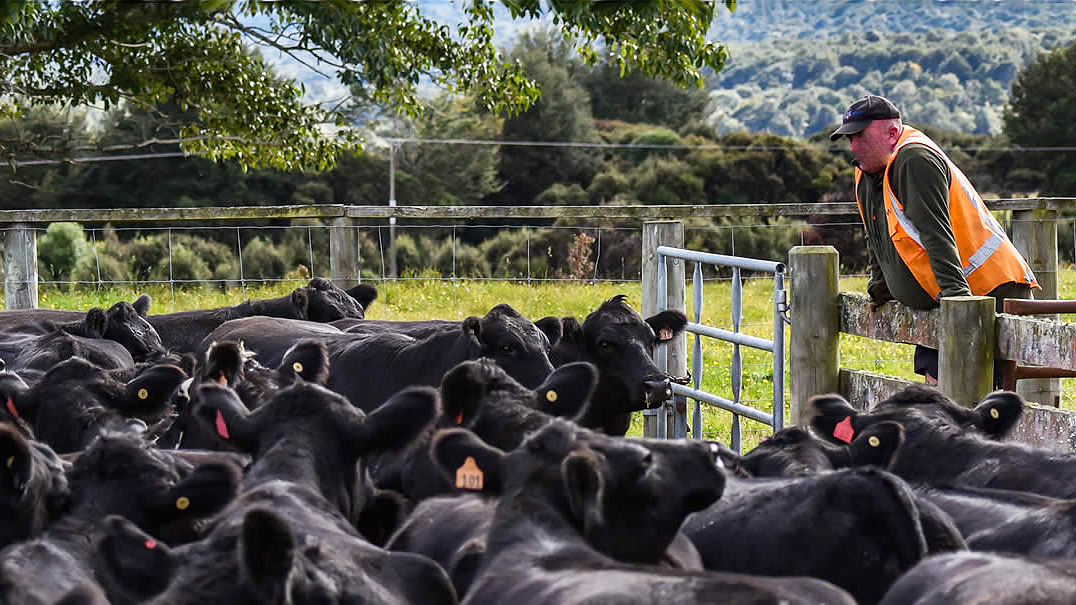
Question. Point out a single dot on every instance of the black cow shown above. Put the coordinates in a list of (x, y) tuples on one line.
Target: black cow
[(936, 450), (481, 396), (369, 368), (795, 451), (1009, 521), (582, 516), (116, 475), (971, 577), (809, 525), (620, 344), (319, 301), (286, 539), (124, 323), (33, 486), (76, 400)]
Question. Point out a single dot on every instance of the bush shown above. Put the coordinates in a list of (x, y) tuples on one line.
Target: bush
[(559, 194), (60, 249), (461, 260), (184, 265), (103, 266), (263, 260)]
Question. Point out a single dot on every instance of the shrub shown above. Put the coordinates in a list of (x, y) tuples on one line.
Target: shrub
[(60, 249), (559, 194), (460, 259), (183, 265), (103, 266), (263, 260)]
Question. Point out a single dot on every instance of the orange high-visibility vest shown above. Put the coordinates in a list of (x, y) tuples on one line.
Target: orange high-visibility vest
[(988, 257)]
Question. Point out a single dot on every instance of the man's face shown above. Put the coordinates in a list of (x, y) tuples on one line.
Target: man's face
[(872, 146)]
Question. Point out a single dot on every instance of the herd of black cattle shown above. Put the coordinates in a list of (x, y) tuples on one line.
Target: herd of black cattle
[(289, 451)]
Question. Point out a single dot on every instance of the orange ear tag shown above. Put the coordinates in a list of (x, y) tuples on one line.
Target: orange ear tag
[(469, 476), (222, 379)]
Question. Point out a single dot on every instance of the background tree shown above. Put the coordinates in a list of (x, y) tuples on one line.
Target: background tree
[(194, 54), (561, 114), (1039, 114)]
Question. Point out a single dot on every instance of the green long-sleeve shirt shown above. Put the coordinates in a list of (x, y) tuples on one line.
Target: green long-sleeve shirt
[(920, 180)]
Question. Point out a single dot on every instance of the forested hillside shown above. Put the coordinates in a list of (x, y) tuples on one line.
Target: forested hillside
[(795, 66)]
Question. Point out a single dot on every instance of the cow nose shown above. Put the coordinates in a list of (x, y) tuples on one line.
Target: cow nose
[(657, 392)]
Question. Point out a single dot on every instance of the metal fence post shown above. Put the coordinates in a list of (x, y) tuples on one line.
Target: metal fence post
[(966, 344), (665, 233), (814, 366), (343, 252), (20, 267), (1034, 233)]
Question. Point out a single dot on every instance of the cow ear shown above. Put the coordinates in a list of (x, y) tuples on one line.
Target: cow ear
[(998, 413), (141, 305), (381, 515), (364, 294), (472, 328), (398, 421), (222, 414), (551, 327), (300, 302), (95, 323), (877, 445), (667, 324), (204, 491), (566, 392), (266, 554), (585, 485), (307, 359), (463, 389), (468, 462), (833, 417), (16, 459), (224, 362), (131, 562), (87, 593), (149, 393)]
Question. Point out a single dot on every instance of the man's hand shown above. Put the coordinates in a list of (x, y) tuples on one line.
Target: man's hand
[(874, 306)]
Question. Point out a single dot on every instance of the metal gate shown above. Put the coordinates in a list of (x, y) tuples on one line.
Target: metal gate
[(774, 345)]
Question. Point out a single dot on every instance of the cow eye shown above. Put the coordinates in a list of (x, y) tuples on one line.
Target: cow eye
[(507, 348), (605, 344)]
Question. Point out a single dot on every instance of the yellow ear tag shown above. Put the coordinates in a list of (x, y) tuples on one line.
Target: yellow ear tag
[(994, 413), (183, 502), (143, 393), (874, 441), (11, 461), (298, 367), (469, 476), (551, 396)]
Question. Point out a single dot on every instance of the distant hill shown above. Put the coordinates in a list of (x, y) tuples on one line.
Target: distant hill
[(796, 65)]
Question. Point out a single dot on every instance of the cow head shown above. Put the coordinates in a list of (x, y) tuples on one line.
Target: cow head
[(323, 301), (624, 497), (795, 451), (127, 325), (513, 342), (621, 344), (33, 486)]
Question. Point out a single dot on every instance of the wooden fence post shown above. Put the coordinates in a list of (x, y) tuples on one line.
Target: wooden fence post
[(814, 363), (966, 345), (20, 267), (344, 252), (664, 233), (1034, 233)]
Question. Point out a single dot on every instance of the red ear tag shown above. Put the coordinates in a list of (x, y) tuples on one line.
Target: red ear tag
[(665, 334), (151, 544), (459, 417), (844, 430), (11, 408), (222, 428)]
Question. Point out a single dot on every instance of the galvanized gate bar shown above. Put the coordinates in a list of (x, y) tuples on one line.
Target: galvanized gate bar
[(774, 419)]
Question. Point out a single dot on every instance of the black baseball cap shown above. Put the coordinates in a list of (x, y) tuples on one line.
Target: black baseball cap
[(861, 113)]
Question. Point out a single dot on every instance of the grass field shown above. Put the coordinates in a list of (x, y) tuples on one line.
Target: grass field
[(459, 299)]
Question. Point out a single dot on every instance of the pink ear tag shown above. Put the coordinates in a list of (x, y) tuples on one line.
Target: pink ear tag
[(11, 408), (151, 544), (459, 417), (222, 428), (665, 334), (844, 430)]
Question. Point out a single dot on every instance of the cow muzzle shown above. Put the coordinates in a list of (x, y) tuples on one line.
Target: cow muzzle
[(656, 392)]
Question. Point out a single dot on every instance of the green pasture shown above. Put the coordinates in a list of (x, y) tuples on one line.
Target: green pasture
[(445, 299)]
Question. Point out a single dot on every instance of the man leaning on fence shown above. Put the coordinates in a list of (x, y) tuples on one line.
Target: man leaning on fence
[(929, 234)]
